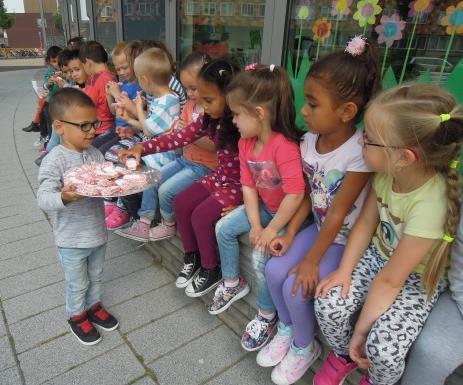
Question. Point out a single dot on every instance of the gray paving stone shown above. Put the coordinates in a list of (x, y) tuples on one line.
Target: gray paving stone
[(173, 331), (135, 284), (119, 246), (10, 377), (126, 264), (24, 232), (62, 354), (28, 261), (25, 246), (16, 221), (30, 281), (116, 367), (194, 364), (35, 330), (150, 306), (2, 327), (35, 302), (6, 354), (245, 372)]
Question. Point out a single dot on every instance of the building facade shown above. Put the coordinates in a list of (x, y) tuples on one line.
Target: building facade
[(427, 33)]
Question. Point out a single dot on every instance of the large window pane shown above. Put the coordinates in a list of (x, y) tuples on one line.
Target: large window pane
[(105, 22), (425, 52), (144, 19), (221, 28), (84, 21)]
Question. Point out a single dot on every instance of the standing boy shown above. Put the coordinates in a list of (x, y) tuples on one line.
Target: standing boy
[(78, 222)]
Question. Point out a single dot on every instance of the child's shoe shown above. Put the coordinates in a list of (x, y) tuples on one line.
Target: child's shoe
[(117, 219), (33, 127), (108, 208), (205, 281), (83, 329), (258, 332), (138, 231), (162, 231), (295, 364), (191, 266), (276, 349), (224, 296), (99, 316), (365, 380), (334, 370)]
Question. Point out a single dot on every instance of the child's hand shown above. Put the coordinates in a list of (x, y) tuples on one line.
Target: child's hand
[(357, 350), (50, 81), (263, 240), (113, 89), (280, 245), (254, 234), (136, 151), (227, 210), (336, 278), (122, 113), (306, 277), (68, 195), (180, 125), (139, 100), (60, 81)]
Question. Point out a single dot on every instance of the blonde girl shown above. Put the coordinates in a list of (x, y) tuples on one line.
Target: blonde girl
[(412, 140)]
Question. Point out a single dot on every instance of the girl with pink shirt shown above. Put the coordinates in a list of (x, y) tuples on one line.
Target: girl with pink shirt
[(262, 102)]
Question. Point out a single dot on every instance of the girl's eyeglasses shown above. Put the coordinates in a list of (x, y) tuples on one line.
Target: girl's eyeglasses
[(366, 142), (85, 127)]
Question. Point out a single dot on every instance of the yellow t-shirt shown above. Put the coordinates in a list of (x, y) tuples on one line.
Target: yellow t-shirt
[(420, 213)]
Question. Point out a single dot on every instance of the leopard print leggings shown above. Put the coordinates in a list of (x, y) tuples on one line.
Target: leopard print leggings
[(393, 333)]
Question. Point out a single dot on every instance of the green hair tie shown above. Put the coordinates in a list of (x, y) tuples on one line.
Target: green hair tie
[(444, 117), (448, 238), (454, 164)]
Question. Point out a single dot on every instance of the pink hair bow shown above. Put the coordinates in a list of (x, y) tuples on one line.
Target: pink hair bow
[(356, 45), (251, 67)]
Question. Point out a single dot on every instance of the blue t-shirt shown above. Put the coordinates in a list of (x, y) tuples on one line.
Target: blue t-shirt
[(131, 89)]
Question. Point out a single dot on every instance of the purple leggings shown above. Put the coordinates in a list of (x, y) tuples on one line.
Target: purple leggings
[(297, 310), (197, 212)]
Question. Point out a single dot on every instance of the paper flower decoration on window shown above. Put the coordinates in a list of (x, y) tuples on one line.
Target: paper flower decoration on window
[(321, 30), (341, 7), (303, 12), (366, 12), (420, 7), (454, 19), (390, 29)]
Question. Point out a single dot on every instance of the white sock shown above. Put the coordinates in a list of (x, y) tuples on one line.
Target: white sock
[(231, 282), (267, 316)]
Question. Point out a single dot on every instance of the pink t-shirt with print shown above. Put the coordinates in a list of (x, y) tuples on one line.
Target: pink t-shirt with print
[(274, 172)]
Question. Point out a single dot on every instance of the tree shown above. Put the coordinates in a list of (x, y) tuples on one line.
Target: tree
[(6, 21)]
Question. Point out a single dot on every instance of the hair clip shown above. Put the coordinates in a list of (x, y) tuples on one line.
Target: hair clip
[(356, 45), (272, 67), (448, 238), (250, 67), (444, 117), (454, 163)]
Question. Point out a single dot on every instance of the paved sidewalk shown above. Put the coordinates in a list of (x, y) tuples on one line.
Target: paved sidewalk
[(165, 338)]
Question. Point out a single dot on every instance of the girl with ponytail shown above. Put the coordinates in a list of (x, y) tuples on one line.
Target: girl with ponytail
[(412, 140)]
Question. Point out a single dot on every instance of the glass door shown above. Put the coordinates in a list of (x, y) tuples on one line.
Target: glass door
[(144, 19), (105, 16), (219, 28)]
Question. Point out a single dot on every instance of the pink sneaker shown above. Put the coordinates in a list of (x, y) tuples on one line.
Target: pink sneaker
[(138, 231), (295, 364), (162, 231), (116, 219), (365, 380), (334, 370), (108, 208), (272, 353)]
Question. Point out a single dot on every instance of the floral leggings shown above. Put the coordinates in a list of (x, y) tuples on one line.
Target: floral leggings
[(393, 333)]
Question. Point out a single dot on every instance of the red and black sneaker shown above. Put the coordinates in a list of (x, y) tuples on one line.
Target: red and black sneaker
[(99, 316), (83, 329)]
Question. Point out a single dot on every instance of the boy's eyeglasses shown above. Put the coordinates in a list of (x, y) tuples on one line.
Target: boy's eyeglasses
[(85, 127)]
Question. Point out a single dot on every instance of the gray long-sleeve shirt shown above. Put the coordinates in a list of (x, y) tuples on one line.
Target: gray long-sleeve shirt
[(79, 224), (456, 266)]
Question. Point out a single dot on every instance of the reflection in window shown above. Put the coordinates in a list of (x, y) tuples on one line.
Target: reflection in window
[(192, 8), (227, 9), (105, 23), (252, 10), (144, 19)]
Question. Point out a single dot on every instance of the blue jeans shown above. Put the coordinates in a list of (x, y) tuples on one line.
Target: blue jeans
[(176, 176), (54, 140), (227, 231), (438, 350), (83, 272)]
